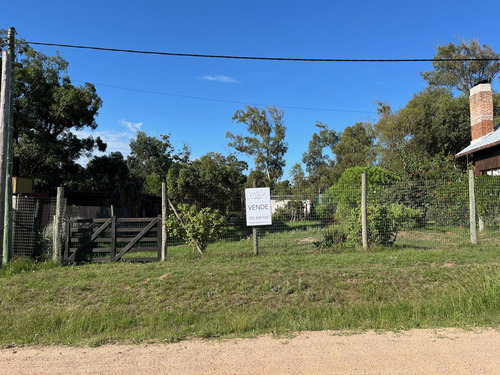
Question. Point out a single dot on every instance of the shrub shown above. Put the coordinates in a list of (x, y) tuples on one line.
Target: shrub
[(406, 217), (197, 227), (382, 228), (332, 237)]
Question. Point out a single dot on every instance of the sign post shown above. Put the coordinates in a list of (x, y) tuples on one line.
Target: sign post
[(258, 211)]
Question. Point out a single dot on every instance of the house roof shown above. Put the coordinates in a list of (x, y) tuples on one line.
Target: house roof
[(489, 140)]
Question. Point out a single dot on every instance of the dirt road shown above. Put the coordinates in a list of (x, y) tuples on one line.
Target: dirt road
[(412, 352)]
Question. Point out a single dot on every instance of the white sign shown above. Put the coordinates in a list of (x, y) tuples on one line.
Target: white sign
[(258, 206)]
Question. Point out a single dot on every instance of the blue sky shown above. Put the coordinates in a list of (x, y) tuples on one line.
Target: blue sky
[(194, 99)]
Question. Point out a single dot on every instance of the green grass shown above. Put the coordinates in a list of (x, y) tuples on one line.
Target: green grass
[(228, 292)]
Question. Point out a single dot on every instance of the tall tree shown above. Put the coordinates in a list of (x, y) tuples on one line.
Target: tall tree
[(150, 159), (48, 110), (213, 180), (463, 75), (355, 149), (318, 164), (432, 123), (266, 142), (107, 173)]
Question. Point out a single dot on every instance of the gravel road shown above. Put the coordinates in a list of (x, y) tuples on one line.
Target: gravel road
[(443, 351)]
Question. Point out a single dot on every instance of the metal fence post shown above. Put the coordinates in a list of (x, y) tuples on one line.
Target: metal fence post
[(364, 224), (472, 208)]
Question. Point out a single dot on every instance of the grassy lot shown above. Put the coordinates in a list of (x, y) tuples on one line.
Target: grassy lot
[(423, 281)]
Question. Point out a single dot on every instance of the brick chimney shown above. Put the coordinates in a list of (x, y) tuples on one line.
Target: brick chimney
[(481, 111)]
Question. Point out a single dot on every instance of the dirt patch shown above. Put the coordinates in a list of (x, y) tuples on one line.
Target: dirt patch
[(446, 351), (307, 240), (163, 277)]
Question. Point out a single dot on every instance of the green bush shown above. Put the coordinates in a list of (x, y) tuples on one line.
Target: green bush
[(406, 217), (197, 227), (325, 211), (382, 226)]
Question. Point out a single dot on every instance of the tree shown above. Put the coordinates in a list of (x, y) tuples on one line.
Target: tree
[(105, 173), (432, 123), (318, 164), (213, 180), (150, 155), (267, 141), (198, 227), (463, 75), (48, 110), (356, 148)]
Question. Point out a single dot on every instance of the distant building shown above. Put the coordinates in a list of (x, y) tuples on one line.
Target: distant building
[(485, 144)]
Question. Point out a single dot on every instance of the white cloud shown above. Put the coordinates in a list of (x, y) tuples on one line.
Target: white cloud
[(132, 126), (220, 78), (116, 139)]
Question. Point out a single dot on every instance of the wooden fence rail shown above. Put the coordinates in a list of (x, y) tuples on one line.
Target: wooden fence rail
[(112, 239)]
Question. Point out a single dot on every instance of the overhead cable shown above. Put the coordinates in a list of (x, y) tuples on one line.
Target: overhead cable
[(251, 57), (224, 100)]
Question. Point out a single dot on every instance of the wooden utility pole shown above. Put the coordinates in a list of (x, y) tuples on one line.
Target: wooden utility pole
[(8, 214), (4, 125), (163, 220), (364, 224)]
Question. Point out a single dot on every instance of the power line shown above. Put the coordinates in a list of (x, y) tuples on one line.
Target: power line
[(251, 57), (224, 100)]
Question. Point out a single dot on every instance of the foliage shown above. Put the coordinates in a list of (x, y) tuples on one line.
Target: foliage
[(196, 227), (432, 123), (347, 191), (48, 110), (325, 208), (267, 141), (105, 173), (356, 148), (448, 203), (332, 237), (318, 164), (213, 180), (150, 159), (382, 226), (406, 217), (488, 200), (463, 75)]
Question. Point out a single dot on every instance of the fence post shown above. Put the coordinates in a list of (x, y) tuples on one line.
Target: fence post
[(472, 207), (57, 253), (255, 233), (163, 220), (364, 224)]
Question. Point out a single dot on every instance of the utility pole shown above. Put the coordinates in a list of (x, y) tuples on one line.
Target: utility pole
[(4, 123), (7, 234)]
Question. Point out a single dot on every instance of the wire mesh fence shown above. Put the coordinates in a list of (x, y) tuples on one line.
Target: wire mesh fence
[(416, 214), (420, 214), (33, 226)]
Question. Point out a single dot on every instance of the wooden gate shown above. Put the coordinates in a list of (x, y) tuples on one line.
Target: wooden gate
[(113, 239)]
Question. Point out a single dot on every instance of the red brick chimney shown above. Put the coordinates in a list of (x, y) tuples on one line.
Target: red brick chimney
[(481, 111)]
